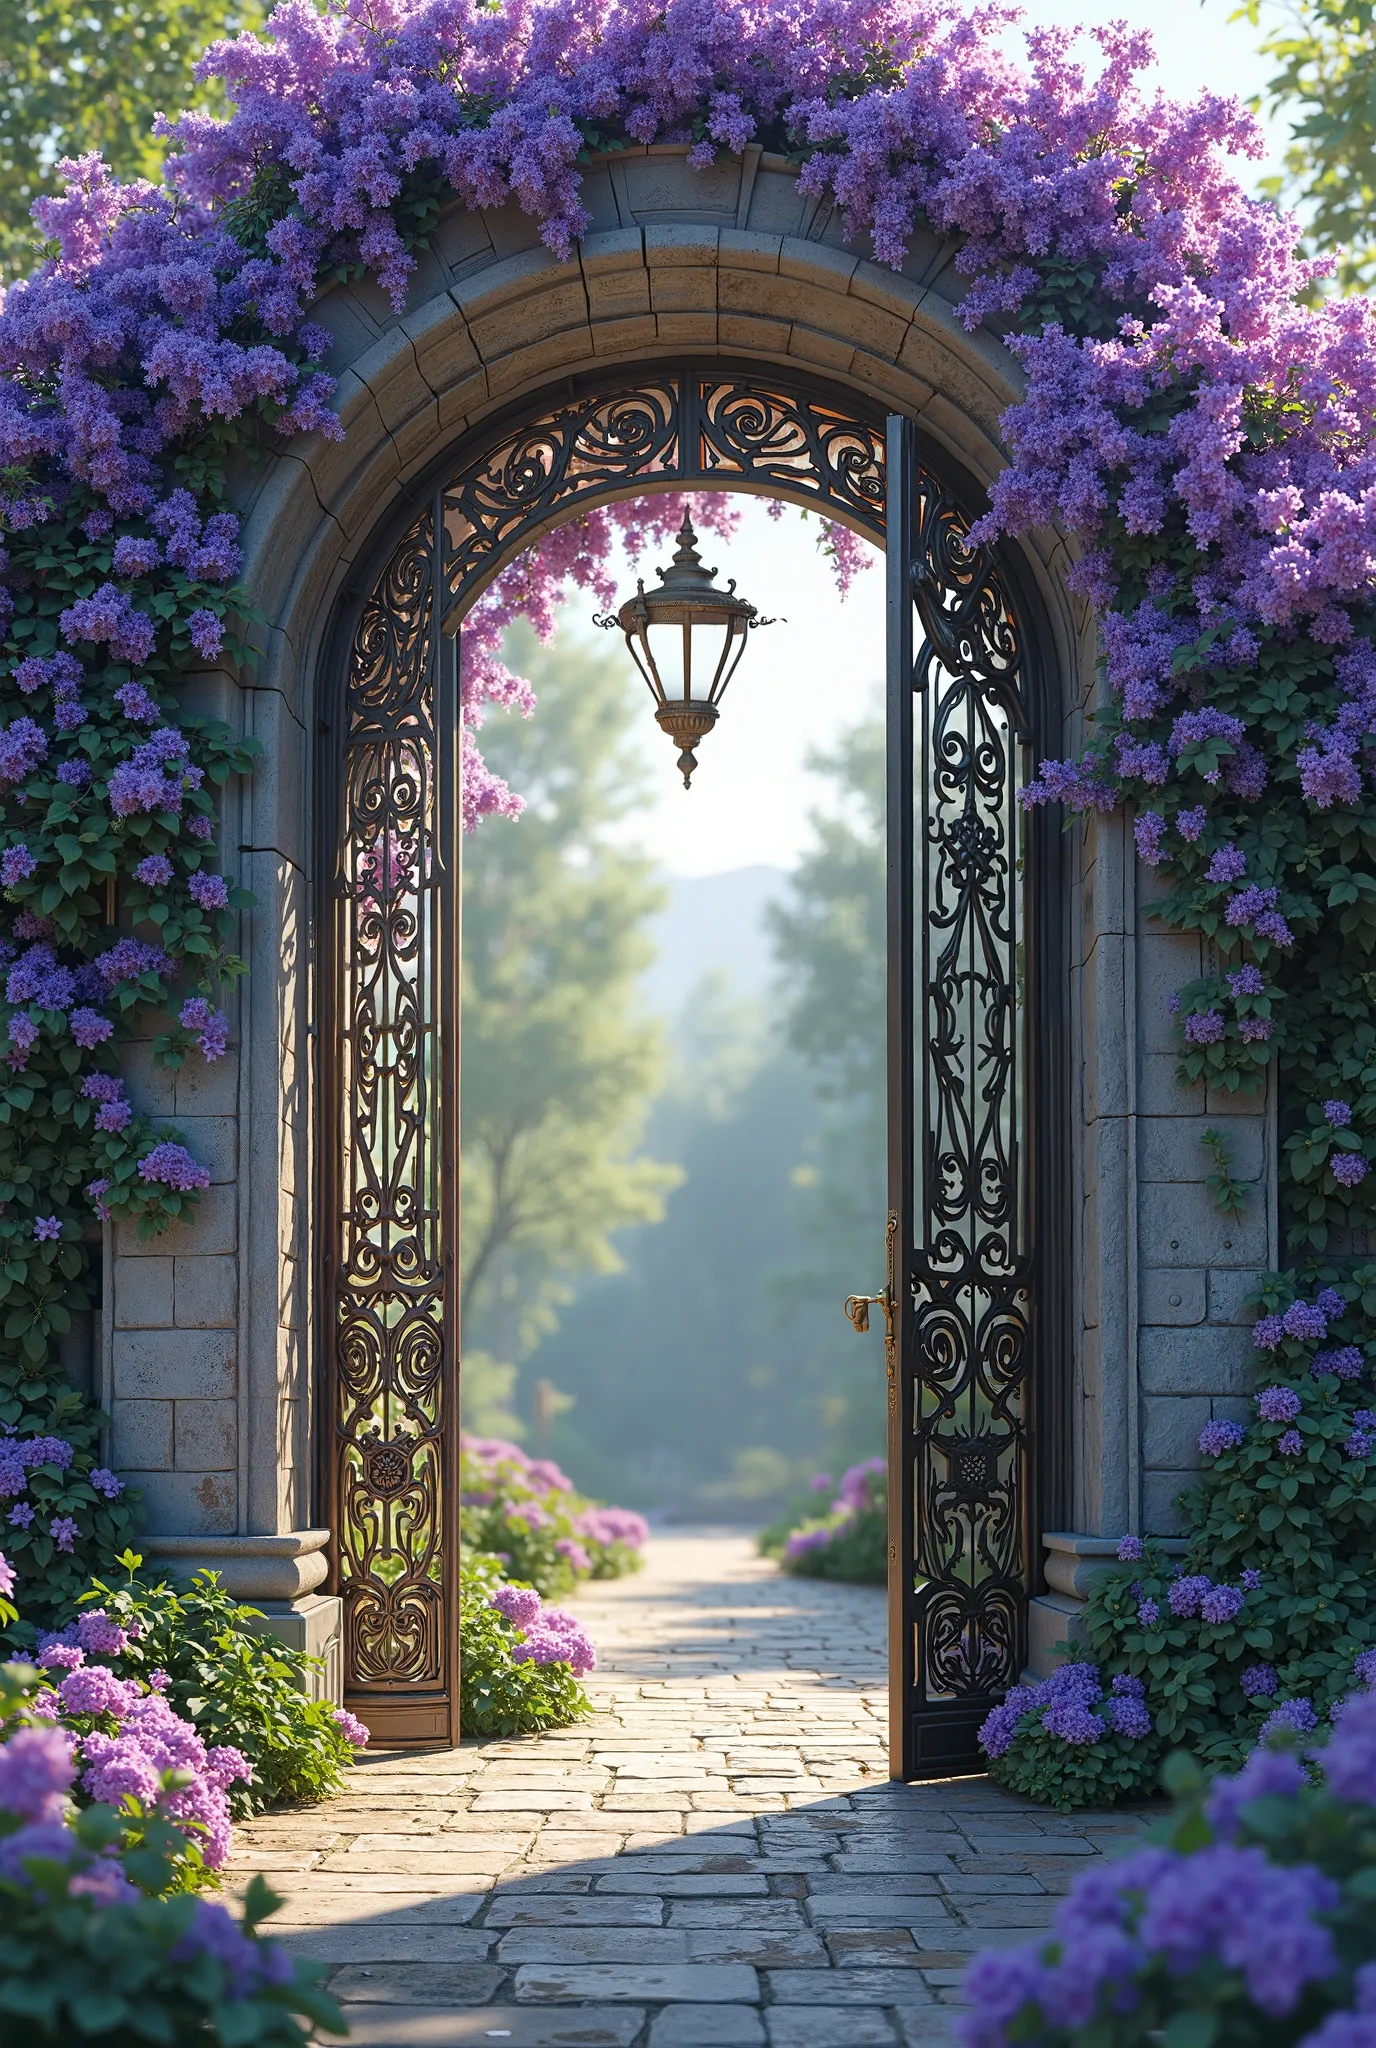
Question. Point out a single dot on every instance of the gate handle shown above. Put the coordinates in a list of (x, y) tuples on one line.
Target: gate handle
[(858, 1309)]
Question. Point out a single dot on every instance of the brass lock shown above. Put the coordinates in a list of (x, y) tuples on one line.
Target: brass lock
[(858, 1309)]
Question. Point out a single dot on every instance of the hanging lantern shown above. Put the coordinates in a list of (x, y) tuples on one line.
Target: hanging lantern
[(687, 679)]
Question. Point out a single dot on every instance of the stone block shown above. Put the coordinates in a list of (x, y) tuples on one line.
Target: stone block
[(1180, 1226), (618, 294), (193, 1503), (151, 1089), (284, 1567), (707, 2026), (1160, 1516), (211, 1229), (563, 351), (1159, 1093), (141, 1435), (213, 1140), (828, 2026), (1051, 1624), (1205, 1359), (776, 205), (143, 1294), (1164, 964), (206, 1436), (314, 1625), (1178, 1297), (1170, 1431), (205, 1293), (686, 330), (622, 337), (738, 330), (431, 2026), (209, 1087), (1230, 1296), (186, 1365), (742, 249), (823, 351), (683, 290), (698, 1983), (409, 1983)]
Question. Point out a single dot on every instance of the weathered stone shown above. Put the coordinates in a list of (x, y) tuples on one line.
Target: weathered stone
[(701, 1983)]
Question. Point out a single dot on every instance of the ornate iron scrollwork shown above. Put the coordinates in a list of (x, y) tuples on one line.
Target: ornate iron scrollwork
[(970, 1276)]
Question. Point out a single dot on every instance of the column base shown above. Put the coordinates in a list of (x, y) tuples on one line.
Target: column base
[(255, 1568), (314, 1624)]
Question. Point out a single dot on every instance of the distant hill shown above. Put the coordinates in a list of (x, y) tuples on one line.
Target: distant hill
[(713, 922)]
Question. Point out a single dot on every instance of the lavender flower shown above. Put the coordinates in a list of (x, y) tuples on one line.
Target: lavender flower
[(1338, 1114), (1278, 1404), (47, 1229), (174, 1166), (210, 891), (154, 871), (1148, 1613), (1130, 1550), (1290, 1444), (1221, 1604), (1296, 1717), (1259, 1681), (1217, 1437), (1185, 1595), (1346, 1363), (63, 1530), (1349, 1169)]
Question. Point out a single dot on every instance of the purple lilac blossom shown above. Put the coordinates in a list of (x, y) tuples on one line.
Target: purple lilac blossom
[(1349, 1169), (1306, 1320), (174, 1166), (1346, 1362), (1247, 981), (1259, 1681), (1278, 1404), (1148, 1613), (1221, 1604), (1185, 1595), (1290, 1444), (1219, 1436), (1338, 1114), (210, 891), (63, 1530), (1291, 1716), (1130, 1550), (1251, 1580), (1268, 1332)]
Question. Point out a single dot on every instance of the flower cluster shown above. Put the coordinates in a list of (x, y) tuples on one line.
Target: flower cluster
[(525, 1512), (125, 1738), (547, 1634), (1070, 1741)]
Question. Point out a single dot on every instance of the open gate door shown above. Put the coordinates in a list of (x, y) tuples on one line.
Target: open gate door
[(959, 1258)]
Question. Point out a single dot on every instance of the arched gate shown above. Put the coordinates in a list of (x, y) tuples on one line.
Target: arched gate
[(972, 1352)]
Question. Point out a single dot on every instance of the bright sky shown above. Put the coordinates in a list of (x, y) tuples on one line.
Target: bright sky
[(805, 679)]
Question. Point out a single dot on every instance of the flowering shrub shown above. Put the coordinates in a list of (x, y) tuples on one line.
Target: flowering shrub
[(62, 1511), (1275, 1599), (238, 1686), (521, 1660), (524, 1511), (1249, 1920), (1070, 1743), (849, 1541), (91, 1945)]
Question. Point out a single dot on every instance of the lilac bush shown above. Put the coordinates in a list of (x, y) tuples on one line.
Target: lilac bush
[(102, 1939), (1072, 1742), (849, 1540), (522, 1660), (525, 1512), (1271, 1614), (1247, 1919)]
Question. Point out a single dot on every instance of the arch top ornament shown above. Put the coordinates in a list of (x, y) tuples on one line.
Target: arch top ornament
[(711, 425)]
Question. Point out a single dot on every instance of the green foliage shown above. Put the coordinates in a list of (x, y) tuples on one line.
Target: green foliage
[(1325, 55), (78, 75), (1071, 1775), (1297, 1529), (134, 1973), (526, 1512), (849, 1542), (558, 1067), (497, 1695), (239, 1685), (49, 1581)]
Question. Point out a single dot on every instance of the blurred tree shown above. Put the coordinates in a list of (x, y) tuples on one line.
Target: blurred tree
[(1325, 52), (829, 939), (559, 1065), (77, 75)]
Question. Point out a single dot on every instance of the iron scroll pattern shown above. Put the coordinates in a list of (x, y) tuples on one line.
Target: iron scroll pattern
[(390, 1380), (971, 1266), (746, 431)]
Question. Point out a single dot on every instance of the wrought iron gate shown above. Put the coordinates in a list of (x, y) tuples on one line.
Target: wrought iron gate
[(389, 1070), (961, 1264)]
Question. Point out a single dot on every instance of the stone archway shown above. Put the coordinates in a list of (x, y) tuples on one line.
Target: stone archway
[(734, 261)]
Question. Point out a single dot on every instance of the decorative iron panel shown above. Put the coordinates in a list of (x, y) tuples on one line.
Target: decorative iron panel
[(661, 431), (393, 1388), (962, 1179)]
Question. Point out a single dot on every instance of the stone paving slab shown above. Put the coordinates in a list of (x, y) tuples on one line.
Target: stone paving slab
[(714, 1859)]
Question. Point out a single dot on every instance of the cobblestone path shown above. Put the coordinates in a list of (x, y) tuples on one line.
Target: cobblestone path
[(716, 1859)]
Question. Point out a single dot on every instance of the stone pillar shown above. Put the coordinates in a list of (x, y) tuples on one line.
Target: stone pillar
[(1162, 1274)]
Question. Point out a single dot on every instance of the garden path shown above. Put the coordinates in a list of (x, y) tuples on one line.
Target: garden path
[(715, 1860)]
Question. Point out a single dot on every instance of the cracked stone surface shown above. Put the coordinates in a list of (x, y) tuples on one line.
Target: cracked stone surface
[(715, 1859)]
